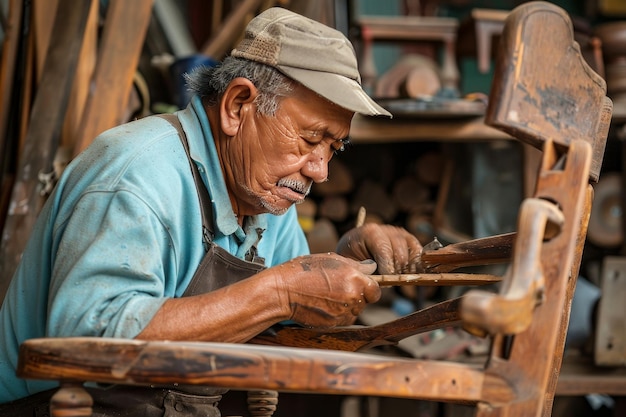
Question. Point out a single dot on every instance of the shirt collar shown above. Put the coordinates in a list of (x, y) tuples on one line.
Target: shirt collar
[(195, 122)]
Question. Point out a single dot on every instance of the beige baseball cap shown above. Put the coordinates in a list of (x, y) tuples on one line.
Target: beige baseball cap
[(317, 56)]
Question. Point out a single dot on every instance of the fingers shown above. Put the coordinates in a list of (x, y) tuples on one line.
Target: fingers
[(394, 249), (324, 290), (406, 251)]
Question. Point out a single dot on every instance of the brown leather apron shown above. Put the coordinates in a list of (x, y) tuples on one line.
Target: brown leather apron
[(217, 269)]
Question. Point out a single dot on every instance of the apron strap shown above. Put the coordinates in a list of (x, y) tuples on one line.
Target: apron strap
[(206, 208)]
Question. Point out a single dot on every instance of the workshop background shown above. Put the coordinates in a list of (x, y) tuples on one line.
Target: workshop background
[(434, 169)]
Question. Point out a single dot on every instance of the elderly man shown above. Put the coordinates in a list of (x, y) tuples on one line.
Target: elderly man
[(152, 230)]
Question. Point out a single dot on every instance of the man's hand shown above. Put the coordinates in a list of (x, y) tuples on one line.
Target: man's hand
[(325, 290), (395, 250)]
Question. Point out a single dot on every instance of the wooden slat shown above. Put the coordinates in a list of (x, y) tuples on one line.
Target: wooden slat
[(43, 22), (82, 80), (435, 279), (119, 51)]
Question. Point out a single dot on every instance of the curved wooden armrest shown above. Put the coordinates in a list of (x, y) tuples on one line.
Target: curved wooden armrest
[(120, 361), (511, 311)]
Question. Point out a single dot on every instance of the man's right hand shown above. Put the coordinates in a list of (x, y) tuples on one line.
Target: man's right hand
[(325, 290)]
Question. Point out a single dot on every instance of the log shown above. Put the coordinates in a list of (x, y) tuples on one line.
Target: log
[(373, 196), (334, 207), (340, 180), (409, 194), (429, 168)]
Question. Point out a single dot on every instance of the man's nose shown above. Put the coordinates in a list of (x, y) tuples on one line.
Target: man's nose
[(316, 166)]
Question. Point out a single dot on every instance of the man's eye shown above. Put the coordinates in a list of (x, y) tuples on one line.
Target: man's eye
[(311, 140)]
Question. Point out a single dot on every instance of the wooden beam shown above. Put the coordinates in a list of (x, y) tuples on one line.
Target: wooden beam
[(120, 48)]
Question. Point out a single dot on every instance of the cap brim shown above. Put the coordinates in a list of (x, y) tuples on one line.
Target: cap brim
[(343, 91)]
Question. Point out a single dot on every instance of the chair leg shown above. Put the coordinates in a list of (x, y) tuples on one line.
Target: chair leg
[(71, 400), (262, 403)]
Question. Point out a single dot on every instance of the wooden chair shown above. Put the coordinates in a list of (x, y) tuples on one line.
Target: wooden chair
[(544, 94)]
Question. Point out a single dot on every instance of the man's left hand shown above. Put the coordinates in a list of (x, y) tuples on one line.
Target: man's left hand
[(394, 249)]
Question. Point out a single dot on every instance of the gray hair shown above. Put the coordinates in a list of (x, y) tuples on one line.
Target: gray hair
[(210, 82)]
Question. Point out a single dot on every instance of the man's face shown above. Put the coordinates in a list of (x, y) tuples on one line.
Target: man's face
[(276, 159)]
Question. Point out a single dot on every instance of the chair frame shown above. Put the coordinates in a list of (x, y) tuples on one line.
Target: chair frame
[(559, 106)]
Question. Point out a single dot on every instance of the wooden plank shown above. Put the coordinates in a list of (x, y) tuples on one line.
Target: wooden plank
[(120, 47), (43, 21), (43, 133), (82, 80)]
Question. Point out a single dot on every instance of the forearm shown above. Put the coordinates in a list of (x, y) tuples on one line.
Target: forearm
[(235, 313)]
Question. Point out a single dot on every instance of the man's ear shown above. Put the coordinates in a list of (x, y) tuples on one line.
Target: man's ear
[(239, 94)]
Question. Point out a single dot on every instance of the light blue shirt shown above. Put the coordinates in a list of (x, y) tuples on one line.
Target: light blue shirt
[(122, 233)]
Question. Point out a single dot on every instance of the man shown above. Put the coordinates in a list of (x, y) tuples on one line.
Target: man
[(145, 228)]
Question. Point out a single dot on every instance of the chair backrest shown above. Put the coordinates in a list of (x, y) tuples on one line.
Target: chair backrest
[(543, 93), (544, 89)]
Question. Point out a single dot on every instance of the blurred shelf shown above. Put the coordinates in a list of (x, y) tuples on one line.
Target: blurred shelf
[(379, 130)]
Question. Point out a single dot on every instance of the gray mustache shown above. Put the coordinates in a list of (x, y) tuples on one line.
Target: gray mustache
[(299, 186)]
